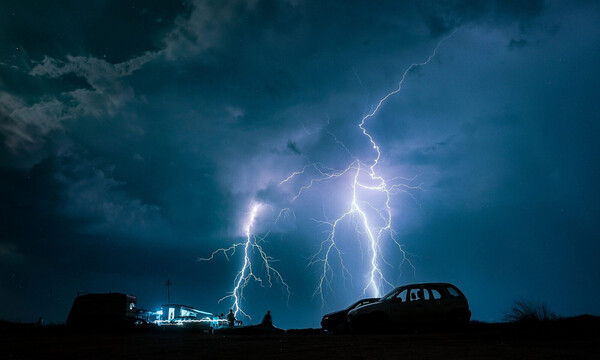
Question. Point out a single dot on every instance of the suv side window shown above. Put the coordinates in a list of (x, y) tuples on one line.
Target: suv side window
[(417, 294), (435, 294), (402, 295), (413, 294), (453, 293)]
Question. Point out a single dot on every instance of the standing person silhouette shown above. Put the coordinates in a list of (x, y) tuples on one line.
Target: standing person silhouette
[(231, 318)]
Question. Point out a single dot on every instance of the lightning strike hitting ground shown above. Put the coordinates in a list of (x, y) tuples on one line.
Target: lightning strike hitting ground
[(372, 221), (252, 250)]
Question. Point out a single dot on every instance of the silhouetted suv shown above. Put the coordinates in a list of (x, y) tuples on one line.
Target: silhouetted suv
[(336, 322), (411, 306)]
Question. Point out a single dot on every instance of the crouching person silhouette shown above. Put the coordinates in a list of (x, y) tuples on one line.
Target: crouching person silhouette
[(267, 319)]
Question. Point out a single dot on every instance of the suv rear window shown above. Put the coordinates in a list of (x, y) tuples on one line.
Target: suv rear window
[(452, 292)]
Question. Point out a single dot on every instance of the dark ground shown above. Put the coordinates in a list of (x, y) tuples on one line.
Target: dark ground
[(574, 338)]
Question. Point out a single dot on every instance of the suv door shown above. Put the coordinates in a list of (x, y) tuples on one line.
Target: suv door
[(434, 306), (454, 301), (397, 306), (407, 308)]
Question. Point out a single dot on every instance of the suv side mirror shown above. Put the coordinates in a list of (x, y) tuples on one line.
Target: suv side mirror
[(396, 300)]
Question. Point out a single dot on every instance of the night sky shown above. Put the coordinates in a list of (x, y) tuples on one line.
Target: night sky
[(135, 136)]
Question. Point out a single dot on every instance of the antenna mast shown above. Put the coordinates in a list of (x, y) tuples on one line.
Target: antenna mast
[(168, 284)]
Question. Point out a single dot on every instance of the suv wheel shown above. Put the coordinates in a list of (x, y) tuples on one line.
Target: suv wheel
[(459, 319)]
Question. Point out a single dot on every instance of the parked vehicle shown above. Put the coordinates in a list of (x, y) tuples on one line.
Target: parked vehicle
[(336, 322), (103, 310), (413, 306)]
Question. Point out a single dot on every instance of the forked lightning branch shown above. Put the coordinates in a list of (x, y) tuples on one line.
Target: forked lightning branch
[(374, 220)]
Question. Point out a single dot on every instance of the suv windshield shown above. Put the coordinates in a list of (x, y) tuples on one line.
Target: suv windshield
[(390, 295)]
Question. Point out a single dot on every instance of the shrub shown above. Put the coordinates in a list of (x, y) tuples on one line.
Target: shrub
[(529, 311)]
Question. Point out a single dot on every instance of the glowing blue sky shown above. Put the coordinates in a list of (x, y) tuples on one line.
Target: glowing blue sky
[(134, 136)]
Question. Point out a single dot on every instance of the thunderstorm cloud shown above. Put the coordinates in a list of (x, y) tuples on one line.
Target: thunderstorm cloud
[(135, 135)]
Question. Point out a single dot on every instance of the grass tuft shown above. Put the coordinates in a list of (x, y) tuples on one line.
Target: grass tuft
[(529, 311)]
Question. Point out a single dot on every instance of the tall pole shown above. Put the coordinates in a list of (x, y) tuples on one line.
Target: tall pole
[(169, 290)]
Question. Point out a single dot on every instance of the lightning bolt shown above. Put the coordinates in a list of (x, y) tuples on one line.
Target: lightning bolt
[(375, 223), (252, 249), (283, 214)]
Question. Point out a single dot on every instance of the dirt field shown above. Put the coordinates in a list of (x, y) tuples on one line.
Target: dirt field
[(572, 339)]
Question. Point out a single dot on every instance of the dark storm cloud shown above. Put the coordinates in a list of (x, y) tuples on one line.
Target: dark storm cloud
[(148, 128), (301, 38), (113, 30), (195, 30), (29, 123), (442, 17), (81, 195)]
